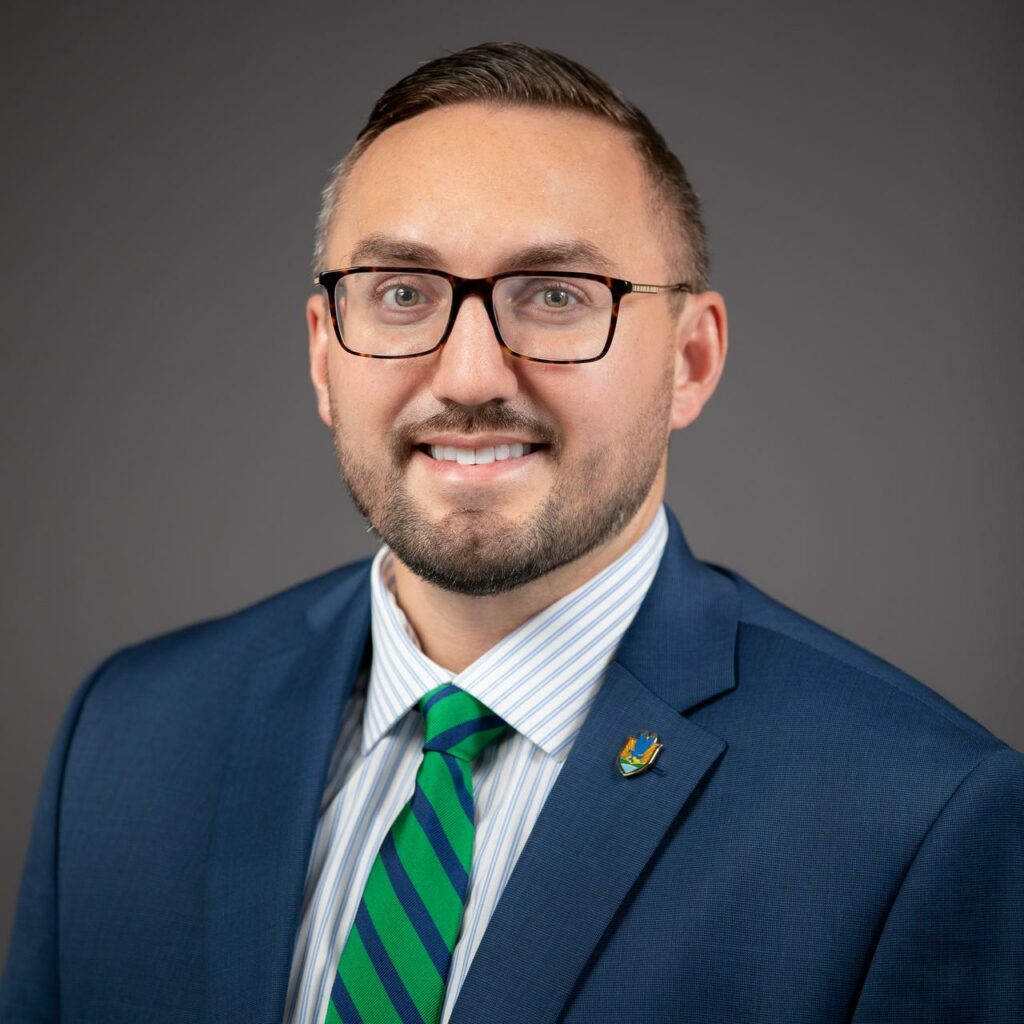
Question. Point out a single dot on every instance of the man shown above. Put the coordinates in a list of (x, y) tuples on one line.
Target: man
[(534, 761)]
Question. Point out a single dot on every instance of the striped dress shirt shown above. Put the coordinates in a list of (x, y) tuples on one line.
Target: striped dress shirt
[(541, 679)]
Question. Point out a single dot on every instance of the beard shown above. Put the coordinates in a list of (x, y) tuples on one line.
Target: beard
[(479, 551)]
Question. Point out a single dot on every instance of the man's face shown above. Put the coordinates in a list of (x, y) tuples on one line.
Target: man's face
[(474, 190)]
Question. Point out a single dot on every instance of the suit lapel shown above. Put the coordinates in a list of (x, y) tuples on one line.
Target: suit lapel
[(269, 806), (598, 830)]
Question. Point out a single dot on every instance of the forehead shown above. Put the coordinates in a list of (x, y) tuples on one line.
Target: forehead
[(476, 181)]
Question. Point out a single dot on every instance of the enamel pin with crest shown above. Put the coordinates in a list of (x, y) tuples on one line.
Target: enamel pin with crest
[(638, 753)]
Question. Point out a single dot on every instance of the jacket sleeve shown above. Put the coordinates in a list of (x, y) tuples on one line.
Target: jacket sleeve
[(952, 948), (29, 991)]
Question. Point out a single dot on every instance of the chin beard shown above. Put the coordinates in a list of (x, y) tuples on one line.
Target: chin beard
[(480, 552)]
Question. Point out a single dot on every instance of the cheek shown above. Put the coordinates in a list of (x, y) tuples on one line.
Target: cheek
[(369, 394), (590, 404), (642, 362)]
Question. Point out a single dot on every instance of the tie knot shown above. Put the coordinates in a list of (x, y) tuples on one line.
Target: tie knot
[(457, 723)]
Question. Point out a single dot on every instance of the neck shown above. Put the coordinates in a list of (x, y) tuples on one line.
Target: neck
[(456, 629)]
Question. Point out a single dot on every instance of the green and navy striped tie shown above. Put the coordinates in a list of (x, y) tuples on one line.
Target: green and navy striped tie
[(395, 963)]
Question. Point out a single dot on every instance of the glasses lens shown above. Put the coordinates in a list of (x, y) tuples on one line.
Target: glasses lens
[(552, 317), (388, 313)]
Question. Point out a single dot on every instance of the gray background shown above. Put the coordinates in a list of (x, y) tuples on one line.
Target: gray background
[(860, 166)]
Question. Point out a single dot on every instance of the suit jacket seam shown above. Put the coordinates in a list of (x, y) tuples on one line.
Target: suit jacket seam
[(77, 710), (1000, 744), (913, 860)]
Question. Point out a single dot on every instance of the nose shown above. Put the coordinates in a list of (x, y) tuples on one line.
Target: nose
[(473, 367)]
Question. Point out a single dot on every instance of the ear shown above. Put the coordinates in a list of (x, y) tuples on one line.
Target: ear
[(321, 337), (701, 344)]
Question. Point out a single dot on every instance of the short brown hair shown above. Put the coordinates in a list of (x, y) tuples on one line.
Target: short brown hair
[(516, 74)]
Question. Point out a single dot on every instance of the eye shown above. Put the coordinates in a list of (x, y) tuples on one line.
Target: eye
[(403, 296), (553, 295), (556, 298)]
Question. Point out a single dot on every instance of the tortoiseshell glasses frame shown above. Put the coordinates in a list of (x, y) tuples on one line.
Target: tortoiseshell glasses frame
[(462, 287)]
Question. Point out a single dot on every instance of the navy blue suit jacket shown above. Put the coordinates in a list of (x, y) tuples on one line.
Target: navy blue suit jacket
[(823, 839)]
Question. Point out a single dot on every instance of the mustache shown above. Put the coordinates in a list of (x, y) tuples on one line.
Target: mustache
[(476, 419)]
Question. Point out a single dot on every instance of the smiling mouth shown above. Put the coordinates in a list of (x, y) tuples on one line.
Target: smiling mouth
[(478, 456)]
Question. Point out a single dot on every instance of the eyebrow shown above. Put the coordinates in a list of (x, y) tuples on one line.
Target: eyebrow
[(391, 249), (573, 252), (562, 254)]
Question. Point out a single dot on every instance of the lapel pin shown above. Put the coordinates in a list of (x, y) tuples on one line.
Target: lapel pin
[(638, 754)]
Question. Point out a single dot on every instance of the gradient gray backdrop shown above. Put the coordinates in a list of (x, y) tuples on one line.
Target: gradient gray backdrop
[(860, 166)]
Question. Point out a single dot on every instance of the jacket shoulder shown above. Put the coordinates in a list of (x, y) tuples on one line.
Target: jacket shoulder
[(854, 679), (224, 646)]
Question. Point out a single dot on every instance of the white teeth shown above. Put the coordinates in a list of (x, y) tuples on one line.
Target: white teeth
[(479, 456)]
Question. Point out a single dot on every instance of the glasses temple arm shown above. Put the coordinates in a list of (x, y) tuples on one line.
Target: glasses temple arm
[(653, 289)]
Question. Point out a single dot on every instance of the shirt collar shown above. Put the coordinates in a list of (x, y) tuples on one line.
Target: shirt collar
[(542, 677)]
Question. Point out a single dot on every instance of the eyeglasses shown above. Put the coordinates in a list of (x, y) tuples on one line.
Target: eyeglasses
[(547, 317)]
